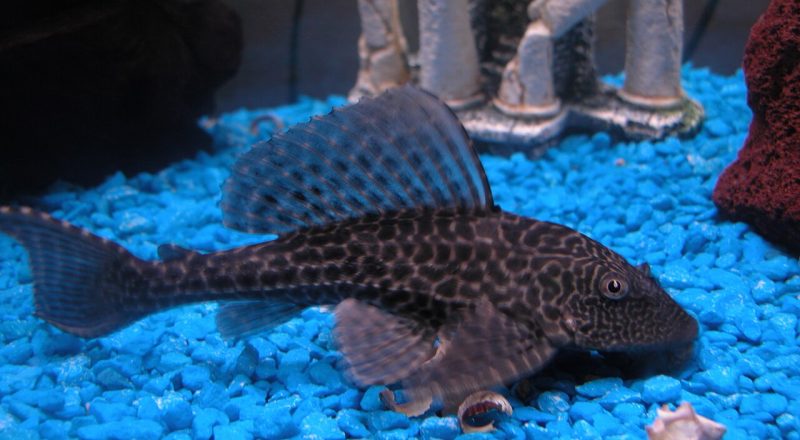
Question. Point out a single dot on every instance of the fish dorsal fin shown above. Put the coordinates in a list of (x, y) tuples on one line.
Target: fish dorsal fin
[(404, 149)]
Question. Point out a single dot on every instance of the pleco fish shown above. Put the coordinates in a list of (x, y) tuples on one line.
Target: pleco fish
[(382, 209)]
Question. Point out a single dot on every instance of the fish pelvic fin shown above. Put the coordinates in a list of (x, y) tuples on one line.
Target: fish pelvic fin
[(483, 349), (380, 347), (77, 284)]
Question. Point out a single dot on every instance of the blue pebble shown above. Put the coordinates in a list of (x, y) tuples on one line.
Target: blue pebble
[(237, 385), (194, 377), (265, 348), (752, 427), (306, 407), (606, 424), (127, 365), (111, 379), (233, 431), (584, 430), (771, 381), (178, 435), (61, 344), (54, 429), (212, 354), (281, 340), (73, 405), (584, 410), (296, 359), (788, 363), (387, 420), (773, 403), (751, 403), (172, 361), (246, 362), (660, 389), (445, 428), (599, 387), (601, 140), (331, 402), (676, 276), (128, 428), (372, 399), (352, 423), (720, 379), (717, 127), (306, 390), (395, 434), (628, 411), (148, 409), (553, 402), (350, 398), (785, 325), (212, 395), (777, 268), (238, 405), (662, 202), (618, 396), (528, 414), (177, 412), (704, 260), (47, 400), (319, 426), (276, 420), (746, 321), (16, 352), (726, 260), (109, 411), (322, 373), (787, 423)]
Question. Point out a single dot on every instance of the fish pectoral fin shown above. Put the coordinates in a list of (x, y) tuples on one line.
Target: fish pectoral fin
[(380, 347), (172, 252), (485, 348), (242, 318)]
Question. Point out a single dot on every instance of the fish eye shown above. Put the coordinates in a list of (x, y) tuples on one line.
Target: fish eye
[(614, 287)]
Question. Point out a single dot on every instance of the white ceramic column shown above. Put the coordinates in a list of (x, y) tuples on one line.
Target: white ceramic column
[(448, 57), (653, 51), (381, 49), (527, 88)]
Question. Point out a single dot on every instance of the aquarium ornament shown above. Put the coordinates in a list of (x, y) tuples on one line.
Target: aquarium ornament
[(521, 74)]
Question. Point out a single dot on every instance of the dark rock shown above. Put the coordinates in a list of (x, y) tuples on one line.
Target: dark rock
[(762, 187), (91, 87)]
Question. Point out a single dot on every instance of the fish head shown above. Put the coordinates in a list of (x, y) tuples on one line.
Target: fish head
[(621, 307)]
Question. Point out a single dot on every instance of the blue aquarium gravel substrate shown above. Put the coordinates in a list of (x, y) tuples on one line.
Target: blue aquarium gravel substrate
[(171, 375)]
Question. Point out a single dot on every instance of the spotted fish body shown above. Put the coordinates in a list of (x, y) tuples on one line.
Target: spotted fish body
[(382, 209)]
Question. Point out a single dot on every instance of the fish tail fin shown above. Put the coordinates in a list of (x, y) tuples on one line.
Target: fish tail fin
[(79, 285)]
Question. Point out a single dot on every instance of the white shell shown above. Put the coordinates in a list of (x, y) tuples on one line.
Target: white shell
[(683, 424), (478, 397)]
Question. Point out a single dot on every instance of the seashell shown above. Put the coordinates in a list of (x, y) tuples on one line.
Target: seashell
[(683, 424), (475, 414)]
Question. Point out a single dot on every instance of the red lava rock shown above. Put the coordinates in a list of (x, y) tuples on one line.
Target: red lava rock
[(762, 187)]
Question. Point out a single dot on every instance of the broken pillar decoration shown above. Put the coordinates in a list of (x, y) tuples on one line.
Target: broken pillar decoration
[(448, 58), (381, 49), (520, 74)]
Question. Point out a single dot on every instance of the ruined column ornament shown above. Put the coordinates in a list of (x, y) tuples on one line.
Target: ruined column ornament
[(521, 74)]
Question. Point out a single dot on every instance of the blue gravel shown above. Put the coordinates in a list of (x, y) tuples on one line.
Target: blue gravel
[(172, 375)]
